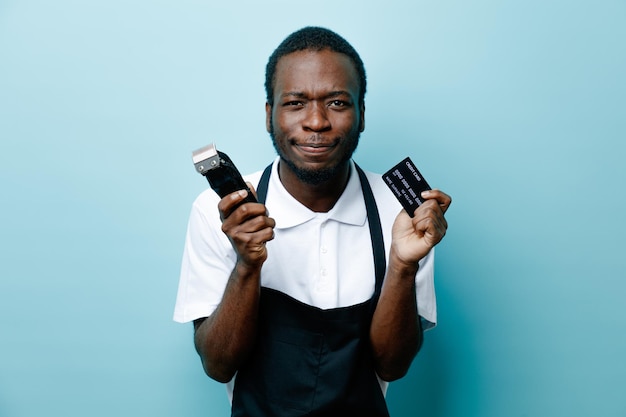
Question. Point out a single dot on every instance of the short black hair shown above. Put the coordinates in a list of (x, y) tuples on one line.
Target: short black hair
[(316, 39)]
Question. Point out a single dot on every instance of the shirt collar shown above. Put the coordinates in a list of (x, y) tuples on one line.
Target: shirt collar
[(289, 212)]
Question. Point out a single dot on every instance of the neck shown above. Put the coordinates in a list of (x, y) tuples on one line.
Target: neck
[(319, 198)]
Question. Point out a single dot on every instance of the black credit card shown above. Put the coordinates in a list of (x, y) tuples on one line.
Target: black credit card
[(407, 184)]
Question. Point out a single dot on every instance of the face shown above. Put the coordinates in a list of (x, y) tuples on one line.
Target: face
[(316, 119)]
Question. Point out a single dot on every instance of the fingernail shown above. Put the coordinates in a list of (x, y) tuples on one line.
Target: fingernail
[(425, 193), (242, 193)]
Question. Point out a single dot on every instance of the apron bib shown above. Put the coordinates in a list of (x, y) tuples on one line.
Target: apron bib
[(313, 362)]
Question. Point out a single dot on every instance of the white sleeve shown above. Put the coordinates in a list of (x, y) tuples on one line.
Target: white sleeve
[(208, 260), (425, 291), (389, 208)]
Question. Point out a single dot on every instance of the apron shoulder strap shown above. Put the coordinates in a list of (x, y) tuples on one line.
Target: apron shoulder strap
[(376, 231), (261, 189)]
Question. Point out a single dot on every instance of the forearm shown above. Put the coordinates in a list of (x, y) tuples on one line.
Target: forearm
[(395, 332), (225, 339)]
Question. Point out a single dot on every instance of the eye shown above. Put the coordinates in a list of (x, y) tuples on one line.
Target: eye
[(338, 103)]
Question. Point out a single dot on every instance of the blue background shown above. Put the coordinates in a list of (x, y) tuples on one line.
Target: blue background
[(515, 108)]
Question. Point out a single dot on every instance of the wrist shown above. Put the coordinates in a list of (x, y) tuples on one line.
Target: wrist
[(401, 267), (246, 270)]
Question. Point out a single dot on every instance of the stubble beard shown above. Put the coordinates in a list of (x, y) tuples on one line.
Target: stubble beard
[(321, 175)]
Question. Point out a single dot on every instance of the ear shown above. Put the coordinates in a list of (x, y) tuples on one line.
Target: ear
[(362, 114), (268, 117)]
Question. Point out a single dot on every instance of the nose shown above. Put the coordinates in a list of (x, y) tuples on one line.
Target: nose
[(316, 119)]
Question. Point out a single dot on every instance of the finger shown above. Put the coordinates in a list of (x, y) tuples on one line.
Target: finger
[(432, 213), (230, 201), (249, 237), (443, 199), (260, 224), (251, 187), (432, 229)]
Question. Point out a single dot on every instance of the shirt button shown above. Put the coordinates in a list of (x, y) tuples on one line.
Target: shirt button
[(324, 250)]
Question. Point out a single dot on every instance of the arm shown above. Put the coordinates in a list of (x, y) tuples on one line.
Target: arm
[(224, 339), (396, 334)]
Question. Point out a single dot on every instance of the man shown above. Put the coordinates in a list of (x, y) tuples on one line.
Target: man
[(309, 301)]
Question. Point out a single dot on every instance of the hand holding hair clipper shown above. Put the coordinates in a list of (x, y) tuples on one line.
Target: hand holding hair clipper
[(220, 171), (247, 230)]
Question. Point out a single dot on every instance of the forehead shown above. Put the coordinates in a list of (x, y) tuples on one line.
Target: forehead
[(314, 70)]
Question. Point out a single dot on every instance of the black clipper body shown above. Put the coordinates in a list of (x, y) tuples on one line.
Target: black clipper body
[(220, 171)]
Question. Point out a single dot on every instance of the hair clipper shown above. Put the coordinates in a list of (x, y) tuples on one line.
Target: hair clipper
[(220, 171)]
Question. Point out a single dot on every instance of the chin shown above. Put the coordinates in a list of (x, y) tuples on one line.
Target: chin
[(315, 176)]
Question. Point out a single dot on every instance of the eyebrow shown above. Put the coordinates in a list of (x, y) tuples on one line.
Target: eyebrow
[(299, 94)]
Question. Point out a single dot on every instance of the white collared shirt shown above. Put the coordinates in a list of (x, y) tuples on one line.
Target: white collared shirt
[(322, 259)]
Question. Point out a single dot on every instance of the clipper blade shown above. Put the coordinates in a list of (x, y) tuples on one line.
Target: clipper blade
[(205, 158)]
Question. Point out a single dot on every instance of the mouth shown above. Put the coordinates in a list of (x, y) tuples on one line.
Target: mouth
[(315, 148)]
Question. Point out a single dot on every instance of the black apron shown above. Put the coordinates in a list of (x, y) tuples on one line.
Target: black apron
[(313, 362)]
